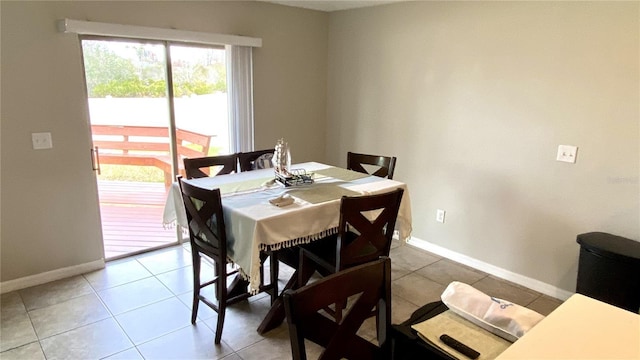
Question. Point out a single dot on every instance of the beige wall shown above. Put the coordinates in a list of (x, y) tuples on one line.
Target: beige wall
[(49, 204), (474, 99)]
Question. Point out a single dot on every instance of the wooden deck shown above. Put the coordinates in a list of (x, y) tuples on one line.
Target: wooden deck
[(132, 217)]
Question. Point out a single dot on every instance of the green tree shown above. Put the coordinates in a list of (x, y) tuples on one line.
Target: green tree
[(140, 73), (103, 66)]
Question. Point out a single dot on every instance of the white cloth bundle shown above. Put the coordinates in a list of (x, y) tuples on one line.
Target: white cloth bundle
[(507, 320), (283, 200)]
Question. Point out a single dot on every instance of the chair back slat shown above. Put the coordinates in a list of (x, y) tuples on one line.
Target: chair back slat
[(201, 167), (205, 217), (386, 164), (372, 282), (247, 159), (360, 238)]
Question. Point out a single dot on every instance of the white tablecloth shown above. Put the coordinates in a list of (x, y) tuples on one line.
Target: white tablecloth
[(253, 224)]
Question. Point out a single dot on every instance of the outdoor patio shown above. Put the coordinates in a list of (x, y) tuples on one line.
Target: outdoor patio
[(132, 217)]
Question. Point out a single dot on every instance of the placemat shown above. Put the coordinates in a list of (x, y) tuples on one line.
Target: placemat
[(319, 193), (341, 174), (487, 344)]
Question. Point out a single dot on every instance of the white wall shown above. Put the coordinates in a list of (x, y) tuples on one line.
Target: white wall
[(474, 99), (49, 206)]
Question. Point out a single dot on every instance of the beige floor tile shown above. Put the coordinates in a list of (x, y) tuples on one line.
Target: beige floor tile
[(445, 271), (263, 295), (233, 356), (276, 346), (506, 290), (155, 320), (134, 295), (544, 304), (93, 341), (16, 330), (411, 258), (241, 322), (117, 273), (401, 309), (129, 354), (267, 349), (55, 292), (11, 303), (417, 289), (368, 330), (397, 271), (204, 311), (68, 315), (196, 342), (180, 281), (158, 262), (31, 351)]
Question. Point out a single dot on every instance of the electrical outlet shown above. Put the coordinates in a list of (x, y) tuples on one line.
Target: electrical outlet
[(567, 153), (41, 140), (440, 215)]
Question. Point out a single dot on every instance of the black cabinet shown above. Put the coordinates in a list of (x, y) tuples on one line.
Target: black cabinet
[(609, 269)]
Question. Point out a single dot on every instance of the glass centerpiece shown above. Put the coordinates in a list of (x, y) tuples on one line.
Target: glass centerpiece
[(282, 167)]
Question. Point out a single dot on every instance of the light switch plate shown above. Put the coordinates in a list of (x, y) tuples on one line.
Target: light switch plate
[(567, 153), (41, 141)]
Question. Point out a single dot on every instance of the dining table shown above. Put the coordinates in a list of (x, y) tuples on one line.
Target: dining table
[(256, 223)]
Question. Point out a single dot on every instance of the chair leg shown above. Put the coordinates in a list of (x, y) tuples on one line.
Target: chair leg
[(216, 274), (196, 284), (222, 309), (221, 294)]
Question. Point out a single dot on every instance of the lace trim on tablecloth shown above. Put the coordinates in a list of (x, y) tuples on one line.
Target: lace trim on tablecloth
[(298, 241)]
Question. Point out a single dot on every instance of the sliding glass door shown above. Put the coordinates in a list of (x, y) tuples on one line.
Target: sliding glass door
[(151, 104)]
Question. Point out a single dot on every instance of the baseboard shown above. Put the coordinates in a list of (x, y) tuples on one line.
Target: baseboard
[(519, 279), (45, 277)]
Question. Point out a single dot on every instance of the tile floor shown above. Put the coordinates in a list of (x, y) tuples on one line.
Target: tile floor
[(139, 308)]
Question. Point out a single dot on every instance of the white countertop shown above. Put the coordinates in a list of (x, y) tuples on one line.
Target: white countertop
[(581, 328)]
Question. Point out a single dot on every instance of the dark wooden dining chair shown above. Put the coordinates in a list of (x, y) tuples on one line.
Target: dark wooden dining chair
[(339, 339), (382, 166), (247, 159), (202, 167), (365, 232), (207, 236)]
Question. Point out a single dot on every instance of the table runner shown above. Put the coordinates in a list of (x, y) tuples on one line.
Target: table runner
[(243, 186), (341, 174)]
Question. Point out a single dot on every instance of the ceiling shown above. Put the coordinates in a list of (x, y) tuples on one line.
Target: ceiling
[(332, 5)]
